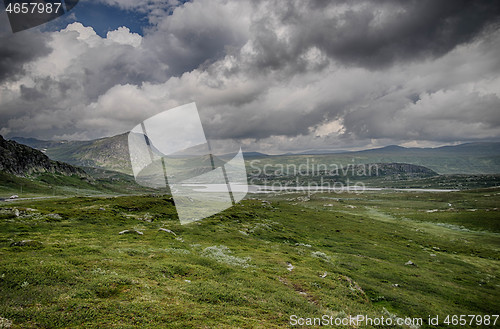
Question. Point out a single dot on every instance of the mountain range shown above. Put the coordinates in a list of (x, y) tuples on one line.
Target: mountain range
[(111, 153)]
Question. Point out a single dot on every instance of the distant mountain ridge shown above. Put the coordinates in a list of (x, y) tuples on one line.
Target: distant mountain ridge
[(483, 148), (22, 160), (111, 153)]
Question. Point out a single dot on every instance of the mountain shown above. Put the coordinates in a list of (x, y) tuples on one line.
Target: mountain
[(246, 155), (316, 152), (398, 169), (476, 149), (37, 143), (469, 158), (254, 155), (112, 153), (25, 171), (22, 160), (108, 153)]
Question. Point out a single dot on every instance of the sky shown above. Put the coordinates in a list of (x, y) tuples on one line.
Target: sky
[(267, 76)]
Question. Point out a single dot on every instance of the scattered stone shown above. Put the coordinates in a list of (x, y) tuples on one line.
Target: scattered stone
[(54, 216), (188, 281), (131, 231), (290, 267), (26, 243), (433, 255), (324, 275), (166, 230), (410, 263), (396, 285), (5, 323), (102, 209), (16, 212)]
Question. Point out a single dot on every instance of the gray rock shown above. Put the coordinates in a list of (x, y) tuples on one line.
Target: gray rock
[(166, 230), (131, 231), (410, 263), (26, 243)]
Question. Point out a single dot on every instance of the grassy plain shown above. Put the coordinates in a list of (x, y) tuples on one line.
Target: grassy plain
[(252, 266)]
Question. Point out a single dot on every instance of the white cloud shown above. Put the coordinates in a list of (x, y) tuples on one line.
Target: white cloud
[(123, 36)]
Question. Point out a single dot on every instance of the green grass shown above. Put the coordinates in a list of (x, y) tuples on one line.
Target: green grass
[(50, 184), (230, 270)]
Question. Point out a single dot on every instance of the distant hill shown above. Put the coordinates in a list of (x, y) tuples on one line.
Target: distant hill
[(108, 153), (475, 149), (112, 153), (469, 158), (22, 160), (315, 152), (246, 155), (394, 170)]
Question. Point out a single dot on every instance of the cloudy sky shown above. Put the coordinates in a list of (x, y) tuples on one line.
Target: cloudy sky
[(272, 76)]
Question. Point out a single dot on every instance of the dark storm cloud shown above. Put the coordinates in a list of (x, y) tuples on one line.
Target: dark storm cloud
[(110, 65), (197, 33), (19, 49), (371, 34)]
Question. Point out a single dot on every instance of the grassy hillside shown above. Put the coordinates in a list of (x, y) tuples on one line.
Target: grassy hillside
[(50, 184), (252, 266)]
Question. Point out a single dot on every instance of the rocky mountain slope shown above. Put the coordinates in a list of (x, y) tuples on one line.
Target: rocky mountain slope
[(22, 160), (108, 153)]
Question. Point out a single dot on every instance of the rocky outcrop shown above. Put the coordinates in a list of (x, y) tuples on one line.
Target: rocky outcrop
[(22, 160)]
